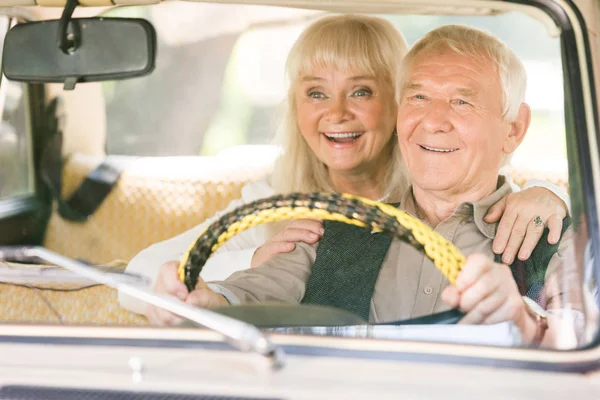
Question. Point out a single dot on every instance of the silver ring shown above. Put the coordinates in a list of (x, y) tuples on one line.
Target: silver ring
[(537, 221)]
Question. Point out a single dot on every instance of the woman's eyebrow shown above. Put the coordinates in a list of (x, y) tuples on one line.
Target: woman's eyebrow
[(362, 78), (311, 78)]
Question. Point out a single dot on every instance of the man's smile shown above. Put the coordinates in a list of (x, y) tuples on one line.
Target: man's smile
[(438, 149)]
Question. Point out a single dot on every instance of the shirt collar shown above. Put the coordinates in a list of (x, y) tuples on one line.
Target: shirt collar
[(477, 210)]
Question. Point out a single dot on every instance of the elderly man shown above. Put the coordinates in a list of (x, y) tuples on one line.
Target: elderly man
[(461, 114)]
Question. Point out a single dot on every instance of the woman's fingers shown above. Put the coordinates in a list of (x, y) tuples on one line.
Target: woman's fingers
[(505, 227), (517, 235), (295, 235), (268, 250), (535, 229), (301, 230), (496, 211), (312, 225), (555, 224)]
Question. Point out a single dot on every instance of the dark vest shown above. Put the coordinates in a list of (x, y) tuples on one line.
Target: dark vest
[(349, 259), (531, 273), (346, 268)]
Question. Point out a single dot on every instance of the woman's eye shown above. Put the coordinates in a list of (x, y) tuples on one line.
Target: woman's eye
[(316, 95), (362, 93)]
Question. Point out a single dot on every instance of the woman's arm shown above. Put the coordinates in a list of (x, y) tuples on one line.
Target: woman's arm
[(518, 232)]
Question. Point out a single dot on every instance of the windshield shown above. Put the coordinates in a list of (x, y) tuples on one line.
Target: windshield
[(200, 132)]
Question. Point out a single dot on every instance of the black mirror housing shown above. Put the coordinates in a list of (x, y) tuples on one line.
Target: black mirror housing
[(98, 49)]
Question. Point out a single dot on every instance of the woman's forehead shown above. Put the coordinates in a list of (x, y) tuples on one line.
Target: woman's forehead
[(343, 72)]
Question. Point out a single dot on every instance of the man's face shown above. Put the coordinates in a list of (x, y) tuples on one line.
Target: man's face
[(450, 126)]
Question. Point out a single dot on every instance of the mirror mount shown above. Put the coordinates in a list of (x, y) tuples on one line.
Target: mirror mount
[(68, 41)]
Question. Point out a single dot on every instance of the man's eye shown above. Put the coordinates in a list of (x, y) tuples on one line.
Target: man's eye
[(418, 97), (316, 95), (461, 102)]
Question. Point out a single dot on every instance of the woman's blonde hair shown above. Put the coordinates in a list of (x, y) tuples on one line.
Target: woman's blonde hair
[(343, 42)]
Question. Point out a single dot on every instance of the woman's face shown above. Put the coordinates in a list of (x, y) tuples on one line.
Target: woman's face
[(347, 119)]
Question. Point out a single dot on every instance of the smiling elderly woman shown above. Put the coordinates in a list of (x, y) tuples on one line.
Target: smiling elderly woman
[(338, 135)]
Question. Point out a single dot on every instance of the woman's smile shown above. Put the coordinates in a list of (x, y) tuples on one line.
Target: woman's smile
[(342, 139)]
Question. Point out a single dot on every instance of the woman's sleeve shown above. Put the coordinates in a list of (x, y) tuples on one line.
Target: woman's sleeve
[(235, 255), (557, 190)]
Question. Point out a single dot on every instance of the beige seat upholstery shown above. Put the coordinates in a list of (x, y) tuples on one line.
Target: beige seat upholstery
[(155, 199)]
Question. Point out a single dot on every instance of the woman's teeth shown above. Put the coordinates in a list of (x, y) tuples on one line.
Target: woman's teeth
[(343, 137), (437, 150)]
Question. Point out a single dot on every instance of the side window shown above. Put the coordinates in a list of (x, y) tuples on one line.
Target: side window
[(15, 141)]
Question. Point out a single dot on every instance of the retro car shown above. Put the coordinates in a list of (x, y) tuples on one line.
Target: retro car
[(160, 152)]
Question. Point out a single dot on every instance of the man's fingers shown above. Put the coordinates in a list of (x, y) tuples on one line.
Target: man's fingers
[(475, 266), (532, 237), (205, 298), (517, 235), (506, 311), (496, 211), (451, 296), (168, 281), (485, 286), (555, 223), (483, 308), (160, 317)]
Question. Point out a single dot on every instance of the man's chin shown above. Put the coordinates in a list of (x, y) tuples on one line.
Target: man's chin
[(436, 184)]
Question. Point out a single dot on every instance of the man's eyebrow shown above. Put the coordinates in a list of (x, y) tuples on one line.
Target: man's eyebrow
[(467, 92), (413, 86)]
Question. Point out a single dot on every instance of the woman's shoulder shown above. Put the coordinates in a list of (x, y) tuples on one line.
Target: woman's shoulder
[(257, 189)]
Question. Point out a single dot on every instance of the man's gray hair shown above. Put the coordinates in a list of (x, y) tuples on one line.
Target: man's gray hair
[(474, 43)]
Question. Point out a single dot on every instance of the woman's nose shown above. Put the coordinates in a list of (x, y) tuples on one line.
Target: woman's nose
[(436, 119), (338, 110)]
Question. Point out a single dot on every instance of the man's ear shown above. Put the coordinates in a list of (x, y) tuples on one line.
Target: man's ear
[(518, 129)]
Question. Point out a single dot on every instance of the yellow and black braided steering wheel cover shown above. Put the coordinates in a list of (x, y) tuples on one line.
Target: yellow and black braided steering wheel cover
[(326, 206)]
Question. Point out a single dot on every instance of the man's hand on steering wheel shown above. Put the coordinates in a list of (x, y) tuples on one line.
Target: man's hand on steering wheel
[(488, 294), (167, 282)]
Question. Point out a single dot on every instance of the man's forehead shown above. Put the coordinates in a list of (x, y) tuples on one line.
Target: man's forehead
[(464, 73), (466, 89)]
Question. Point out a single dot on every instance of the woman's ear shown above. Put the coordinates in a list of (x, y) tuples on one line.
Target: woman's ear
[(518, 129)]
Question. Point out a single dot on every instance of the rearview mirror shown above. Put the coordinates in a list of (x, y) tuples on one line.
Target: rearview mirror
[(93, 49)]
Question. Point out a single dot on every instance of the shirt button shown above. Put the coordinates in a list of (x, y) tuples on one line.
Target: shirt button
[(428, 290)]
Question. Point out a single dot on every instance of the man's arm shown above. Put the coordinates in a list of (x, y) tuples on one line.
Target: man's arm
[(281, 279)]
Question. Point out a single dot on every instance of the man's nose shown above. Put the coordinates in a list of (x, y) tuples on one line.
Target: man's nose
[(338, 110), (436, 119)]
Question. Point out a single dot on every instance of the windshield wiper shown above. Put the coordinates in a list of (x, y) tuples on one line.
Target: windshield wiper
[(241, 335)]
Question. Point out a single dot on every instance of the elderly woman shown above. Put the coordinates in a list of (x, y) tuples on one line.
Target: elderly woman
[(338, 135)]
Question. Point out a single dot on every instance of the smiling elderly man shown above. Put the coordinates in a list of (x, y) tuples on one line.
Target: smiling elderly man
[(461, 114)]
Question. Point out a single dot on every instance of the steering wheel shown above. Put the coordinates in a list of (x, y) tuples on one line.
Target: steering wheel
[(345, 208)]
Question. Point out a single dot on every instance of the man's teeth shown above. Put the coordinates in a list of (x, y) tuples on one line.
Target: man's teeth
[(343, 135), (438, 150)]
